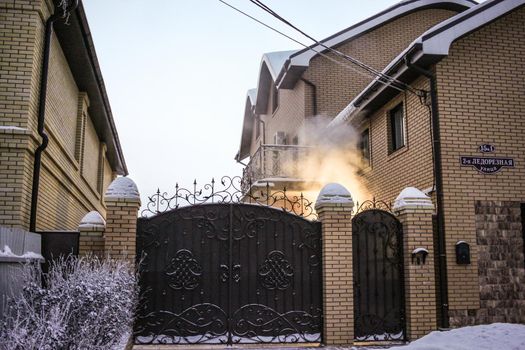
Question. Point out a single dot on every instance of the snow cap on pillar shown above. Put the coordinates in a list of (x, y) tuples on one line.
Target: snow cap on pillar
[(334, 193), (92, 221), (412, 198), (123, 188)]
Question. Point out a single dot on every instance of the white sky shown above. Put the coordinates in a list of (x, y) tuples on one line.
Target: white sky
[(177, 73)]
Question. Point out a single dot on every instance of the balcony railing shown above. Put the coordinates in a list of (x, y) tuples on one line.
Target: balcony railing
[(274, 163)]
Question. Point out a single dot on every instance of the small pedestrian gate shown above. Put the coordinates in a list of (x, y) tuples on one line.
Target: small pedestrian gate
[(379, 311), (229, 273)]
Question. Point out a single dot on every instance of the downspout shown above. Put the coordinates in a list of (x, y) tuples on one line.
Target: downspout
[(314, 93), (438, 174), (42, 112)]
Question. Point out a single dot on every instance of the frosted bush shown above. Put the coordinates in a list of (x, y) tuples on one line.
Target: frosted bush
[(87, 303)]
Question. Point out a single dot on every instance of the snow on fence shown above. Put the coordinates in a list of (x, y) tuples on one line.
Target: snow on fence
[(16, 245)]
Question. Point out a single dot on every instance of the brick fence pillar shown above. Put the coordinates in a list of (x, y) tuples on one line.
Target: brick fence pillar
[(334, 207), (122, 201), (91, 228), (414, 210)]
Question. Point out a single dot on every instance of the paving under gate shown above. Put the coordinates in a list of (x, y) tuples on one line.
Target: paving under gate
[(229, 273)]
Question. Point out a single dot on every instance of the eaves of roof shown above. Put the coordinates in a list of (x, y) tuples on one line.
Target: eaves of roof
[(426, 50), (299, 61), (79, 50)]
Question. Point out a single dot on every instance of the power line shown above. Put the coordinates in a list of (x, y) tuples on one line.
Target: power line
[(355, 61), (346, 65)]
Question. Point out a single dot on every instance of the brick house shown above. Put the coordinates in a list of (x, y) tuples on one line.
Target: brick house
[(296, 85), (459, 140), (476, 59), (83, 155)]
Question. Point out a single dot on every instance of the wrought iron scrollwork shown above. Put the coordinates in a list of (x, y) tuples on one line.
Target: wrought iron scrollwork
[(276, 272), (373, 204), (228, 191), (183, 271), (201, 323), (261, 324), (225, 273)]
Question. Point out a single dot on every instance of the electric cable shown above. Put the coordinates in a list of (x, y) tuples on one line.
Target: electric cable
[(347, 57), (382, 80)]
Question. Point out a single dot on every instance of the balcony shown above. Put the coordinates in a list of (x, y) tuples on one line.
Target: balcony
[(276, 164)]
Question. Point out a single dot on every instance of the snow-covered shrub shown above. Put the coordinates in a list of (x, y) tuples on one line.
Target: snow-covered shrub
[(86, 303)]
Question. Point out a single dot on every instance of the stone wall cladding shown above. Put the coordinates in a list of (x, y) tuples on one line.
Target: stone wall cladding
[(500, 265)]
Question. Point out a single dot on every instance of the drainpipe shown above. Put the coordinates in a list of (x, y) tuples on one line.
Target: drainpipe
[(314, 92), (438, 174), (42, 111)]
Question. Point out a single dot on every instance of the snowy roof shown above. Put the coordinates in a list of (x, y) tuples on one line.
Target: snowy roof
[(429, 48), (300, 61), (275, 61), (252, 95)]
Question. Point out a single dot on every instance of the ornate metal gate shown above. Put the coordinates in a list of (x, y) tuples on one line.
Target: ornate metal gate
[(379, 311), (229, 273)]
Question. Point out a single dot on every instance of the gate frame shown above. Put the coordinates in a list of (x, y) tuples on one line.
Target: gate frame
[(380, 206)]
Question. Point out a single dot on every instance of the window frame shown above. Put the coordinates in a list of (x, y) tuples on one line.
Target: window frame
[(397, 142)]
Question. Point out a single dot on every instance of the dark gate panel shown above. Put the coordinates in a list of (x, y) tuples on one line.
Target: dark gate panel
[(379, 312), (229, 273)]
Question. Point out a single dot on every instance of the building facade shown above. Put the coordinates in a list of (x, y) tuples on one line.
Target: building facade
[(83, 154), (450, 123), (294, 86)]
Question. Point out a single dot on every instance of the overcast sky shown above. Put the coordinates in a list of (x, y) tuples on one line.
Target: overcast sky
[(177, 73)]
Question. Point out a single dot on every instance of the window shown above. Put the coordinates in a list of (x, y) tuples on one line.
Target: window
[(257, 127), (275, 98), (364, 146), (397, 128)]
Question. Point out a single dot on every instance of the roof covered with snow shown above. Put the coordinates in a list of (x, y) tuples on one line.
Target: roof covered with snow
[(427, 49), (299, 61)]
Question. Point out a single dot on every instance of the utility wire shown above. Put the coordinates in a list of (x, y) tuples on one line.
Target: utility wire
[(344, 64), (371, 70)]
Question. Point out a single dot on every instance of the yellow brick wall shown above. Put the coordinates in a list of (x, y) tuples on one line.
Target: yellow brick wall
[(65, 195), (482, 100), (388, 174), (337, 85)]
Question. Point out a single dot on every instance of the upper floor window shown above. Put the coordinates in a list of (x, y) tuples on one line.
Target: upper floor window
[(397, 128), (275, 98), (364, 146), (257, 126)]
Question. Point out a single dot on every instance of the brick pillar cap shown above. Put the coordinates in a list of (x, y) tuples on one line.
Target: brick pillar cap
[(92, 220), (334, 193), (412, 198), (122, 188)]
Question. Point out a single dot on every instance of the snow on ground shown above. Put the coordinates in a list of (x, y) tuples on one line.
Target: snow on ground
[(496, 336)]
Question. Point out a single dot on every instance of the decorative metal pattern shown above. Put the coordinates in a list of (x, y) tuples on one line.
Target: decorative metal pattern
[(258, 323), (183, 271), (378, 276), (373, 204), (229, 191), (229, 273), (276, 272), (200, 323)]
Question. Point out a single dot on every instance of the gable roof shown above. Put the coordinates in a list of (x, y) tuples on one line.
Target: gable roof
[(427, 49), (271, 64), (299, 61)]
